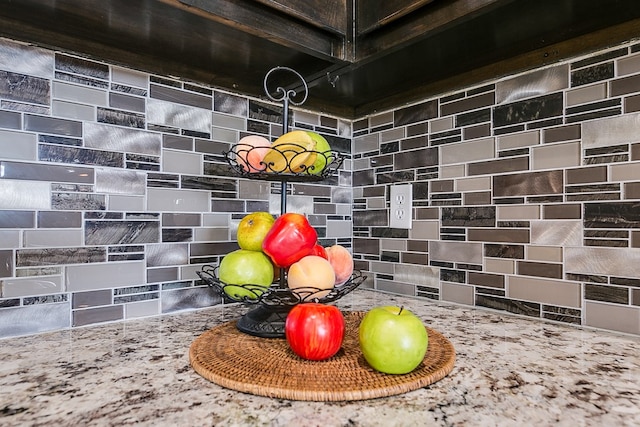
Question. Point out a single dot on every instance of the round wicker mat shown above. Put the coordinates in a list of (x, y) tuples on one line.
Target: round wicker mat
[(268, 367)]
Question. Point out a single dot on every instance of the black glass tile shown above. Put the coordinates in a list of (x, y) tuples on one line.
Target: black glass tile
[(103, 215), (473, 117), (196, 134), (469, 216), (45, 299), (600, 58), (612, 215), (613, 294), (457, 276), (594, 115), (528, 110), (504, 251), (6, 263), (121, 232), (592, 74), (58, 256), (60, 140), (20, 87), (73, 201), (81, 66), (390, 147), (265, 112), (83, 80), (415, 113), (12, 302), (512, 306), (121, 118), (128, 89), (83, 156)]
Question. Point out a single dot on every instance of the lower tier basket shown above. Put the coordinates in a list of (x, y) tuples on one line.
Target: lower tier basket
[(268, 367)]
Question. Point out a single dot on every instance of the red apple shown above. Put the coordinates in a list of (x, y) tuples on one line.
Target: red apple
[(314, 331), (290, 238)]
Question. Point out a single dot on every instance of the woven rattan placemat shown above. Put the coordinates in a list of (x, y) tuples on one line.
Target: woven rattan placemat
[(268, 367)]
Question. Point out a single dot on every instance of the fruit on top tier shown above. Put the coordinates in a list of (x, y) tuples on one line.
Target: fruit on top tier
[(324, 153), (250, 152), (293, 152)]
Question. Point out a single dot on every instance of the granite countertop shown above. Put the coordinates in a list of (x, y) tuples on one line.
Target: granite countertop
[(509, 371)]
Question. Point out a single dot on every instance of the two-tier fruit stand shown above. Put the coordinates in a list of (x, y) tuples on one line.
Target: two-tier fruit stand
[(251, 355), (274, 302)]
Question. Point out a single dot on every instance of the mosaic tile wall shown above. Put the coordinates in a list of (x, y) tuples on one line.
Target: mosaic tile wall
[(526, 194), (114, 191)]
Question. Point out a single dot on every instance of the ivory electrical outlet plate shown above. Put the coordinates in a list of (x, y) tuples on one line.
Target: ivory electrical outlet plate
[(400, 212)]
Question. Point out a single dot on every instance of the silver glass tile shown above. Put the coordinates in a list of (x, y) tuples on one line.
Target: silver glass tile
[(533, 84), (115, 138), (456, 252), (620, 262), (417, 274), (26, 59), (34, 319), (23, 88), (189, 298), (178, 115), (167, 255), (24, 194), (115, 181), (45, 172), (556, 233), (611, 131)]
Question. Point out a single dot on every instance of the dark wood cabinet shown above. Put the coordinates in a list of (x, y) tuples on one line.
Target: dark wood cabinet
[(358, 57)]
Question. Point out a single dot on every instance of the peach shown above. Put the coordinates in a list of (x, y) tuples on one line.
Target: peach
[(310, 278), (342, 262), (250, 151)]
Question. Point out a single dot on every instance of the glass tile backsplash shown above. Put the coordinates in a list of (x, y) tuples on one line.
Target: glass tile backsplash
[(114, 192)]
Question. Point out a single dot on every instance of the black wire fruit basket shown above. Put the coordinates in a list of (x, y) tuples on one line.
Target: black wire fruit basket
[(275, 301), (289, 163)]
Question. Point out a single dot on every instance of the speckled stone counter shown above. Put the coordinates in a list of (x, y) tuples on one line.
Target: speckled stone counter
[(509, 371)]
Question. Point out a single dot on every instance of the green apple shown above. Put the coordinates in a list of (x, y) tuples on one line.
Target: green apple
[(247, 273), (324, 153), (392, 340), (252, 230)]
